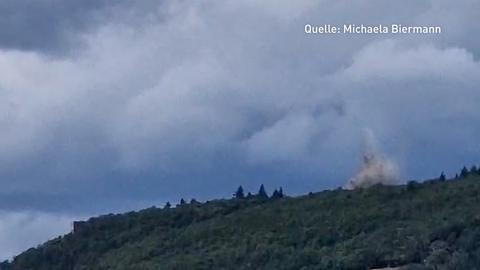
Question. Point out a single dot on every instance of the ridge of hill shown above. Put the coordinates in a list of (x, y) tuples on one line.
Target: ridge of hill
[(429, 225)]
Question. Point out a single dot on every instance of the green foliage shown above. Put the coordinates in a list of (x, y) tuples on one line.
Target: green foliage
[(422, 226), (412, 185)]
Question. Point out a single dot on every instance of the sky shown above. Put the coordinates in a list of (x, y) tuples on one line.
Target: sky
[(109, 106)]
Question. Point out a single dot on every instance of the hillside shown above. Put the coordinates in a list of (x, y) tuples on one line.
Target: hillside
[(432, 225)]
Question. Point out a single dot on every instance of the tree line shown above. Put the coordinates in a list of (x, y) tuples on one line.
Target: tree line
[(240, 194)]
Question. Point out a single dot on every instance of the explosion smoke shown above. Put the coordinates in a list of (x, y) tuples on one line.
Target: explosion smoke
[(375, 169)]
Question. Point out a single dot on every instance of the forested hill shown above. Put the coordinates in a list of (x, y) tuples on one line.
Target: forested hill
[(432, 225)]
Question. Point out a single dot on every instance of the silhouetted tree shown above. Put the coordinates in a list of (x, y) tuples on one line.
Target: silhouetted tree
[(277, 194), (167, 205), (239, 193), (193, 201), (182, 201), (262, 193), (5, 265), (464, 172), (412, 185), (249, 195), (442, 177), (474, 170)]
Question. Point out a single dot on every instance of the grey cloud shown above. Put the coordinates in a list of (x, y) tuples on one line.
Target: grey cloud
[(458, 22), (172, 93), (400, 62), (57, 27), (45, 25)]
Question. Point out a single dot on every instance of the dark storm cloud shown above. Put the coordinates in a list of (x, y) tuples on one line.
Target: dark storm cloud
[(154, 102), (58, 26), (159, 96), (48, 25)]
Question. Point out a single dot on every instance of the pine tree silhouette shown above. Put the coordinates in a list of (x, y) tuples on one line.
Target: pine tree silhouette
[(474, 170), (277, 194), (167, 205), (262, 193), (464, 172), (239, 193), (442, 177)]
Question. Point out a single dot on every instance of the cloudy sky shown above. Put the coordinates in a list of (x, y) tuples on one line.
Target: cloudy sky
[(113, 105)]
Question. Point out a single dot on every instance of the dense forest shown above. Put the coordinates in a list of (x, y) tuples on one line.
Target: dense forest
[(434, 224)]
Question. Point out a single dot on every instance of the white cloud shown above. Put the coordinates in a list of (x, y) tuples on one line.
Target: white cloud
[(390, 60), (286, 140)]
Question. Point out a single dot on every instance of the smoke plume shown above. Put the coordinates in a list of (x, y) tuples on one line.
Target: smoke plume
[(375, 169)]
